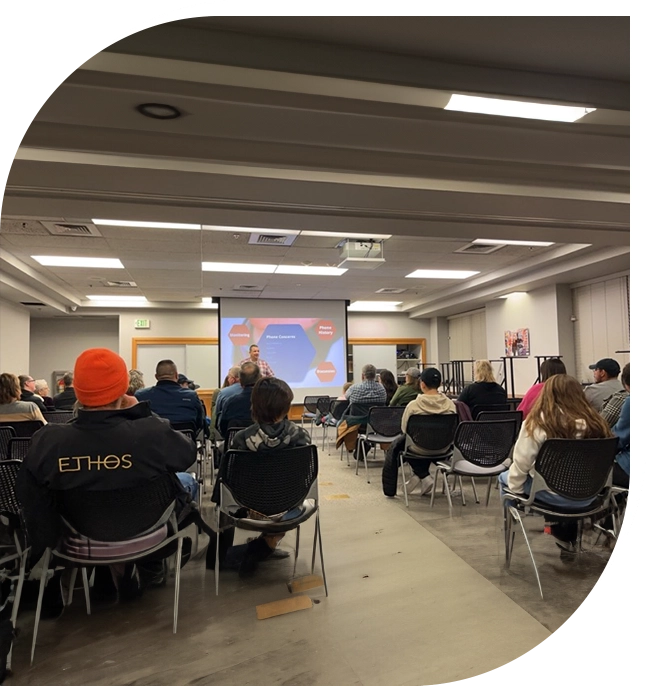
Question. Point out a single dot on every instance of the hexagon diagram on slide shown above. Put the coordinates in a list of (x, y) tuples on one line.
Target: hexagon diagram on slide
[(326, 372), (288, 351)]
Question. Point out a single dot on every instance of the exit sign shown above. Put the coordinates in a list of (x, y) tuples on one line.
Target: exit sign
[(142, 323)]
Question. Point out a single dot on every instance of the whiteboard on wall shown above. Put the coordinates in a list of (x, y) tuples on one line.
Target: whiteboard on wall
[(382, 356), (197, 362)]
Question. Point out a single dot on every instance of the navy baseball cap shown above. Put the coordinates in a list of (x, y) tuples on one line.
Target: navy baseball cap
[(431, 377), (608, 365)]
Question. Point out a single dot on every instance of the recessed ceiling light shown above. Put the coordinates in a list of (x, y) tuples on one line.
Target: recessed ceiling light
[(374, 306), (515, 294), (117, 298), (248, 229), (439, 274), (345, 234), (516, 108), (87, 262), (238, 267), (145, 225), (158, 110), (310, 271), (495, 241)]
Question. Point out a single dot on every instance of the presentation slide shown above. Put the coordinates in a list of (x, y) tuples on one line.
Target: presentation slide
[(309, 353)]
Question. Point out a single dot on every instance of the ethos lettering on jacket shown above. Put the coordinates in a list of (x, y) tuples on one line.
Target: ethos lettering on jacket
[(89, 463)]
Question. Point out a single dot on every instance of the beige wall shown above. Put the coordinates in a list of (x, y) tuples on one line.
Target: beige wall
[(14, 340), (56, 343), (386, 325)]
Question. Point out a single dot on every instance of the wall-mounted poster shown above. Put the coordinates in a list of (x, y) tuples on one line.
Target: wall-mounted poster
[(517, 343)]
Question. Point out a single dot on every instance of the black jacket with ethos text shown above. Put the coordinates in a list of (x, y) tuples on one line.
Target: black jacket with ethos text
[(101, 450)]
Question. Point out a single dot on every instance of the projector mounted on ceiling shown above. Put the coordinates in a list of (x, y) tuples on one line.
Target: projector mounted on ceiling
[(366, 254)]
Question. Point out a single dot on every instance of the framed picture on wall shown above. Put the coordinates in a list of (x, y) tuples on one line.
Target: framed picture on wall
[(517, 343), (57, 382)]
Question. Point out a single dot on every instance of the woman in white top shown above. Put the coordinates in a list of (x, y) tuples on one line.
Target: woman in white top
[(561, 411)]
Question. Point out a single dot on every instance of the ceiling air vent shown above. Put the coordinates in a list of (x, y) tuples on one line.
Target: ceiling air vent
[(391, 290), (71, 229), (247, 287), (271, 239), (28, 304), (121, 284), (478, 249)]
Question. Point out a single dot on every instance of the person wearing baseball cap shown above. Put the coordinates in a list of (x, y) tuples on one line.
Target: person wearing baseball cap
[(605, 383), (116, 443), (409, 390)]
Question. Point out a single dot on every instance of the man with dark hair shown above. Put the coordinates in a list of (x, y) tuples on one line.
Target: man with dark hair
[(169, 400), (238, 407), (28, 392), (254, 356), (369, 391), (605, 383), (116, 443), (612, 406), (67, 397)]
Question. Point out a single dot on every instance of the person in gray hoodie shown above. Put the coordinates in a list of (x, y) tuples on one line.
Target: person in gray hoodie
[(430, 401)]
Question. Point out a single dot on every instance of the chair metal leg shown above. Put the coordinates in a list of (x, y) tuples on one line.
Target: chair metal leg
[(86, 588), (321, 555), (448, 491), (316, 533), (16, 601), (464, 502), (70, 590), (365, 460), (357, 452), (488, 491), (475, 494), (434, 489), (178, 567), (298, 541), (401, 463), (39, 605), (217, 551), (518, 518)]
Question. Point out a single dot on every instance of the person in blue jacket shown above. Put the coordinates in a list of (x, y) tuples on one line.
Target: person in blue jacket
[(621, 471)]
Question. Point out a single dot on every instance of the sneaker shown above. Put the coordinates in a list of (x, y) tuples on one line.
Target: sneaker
[(412, 484), (256, 551), (427, 485), (567, 546), (279, 554)]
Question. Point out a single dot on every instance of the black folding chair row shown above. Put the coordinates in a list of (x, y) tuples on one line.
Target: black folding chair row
[(58, 417), (6, 434), (496, 407), (383, 427), (335, 412), (18, 448), (26, 429)]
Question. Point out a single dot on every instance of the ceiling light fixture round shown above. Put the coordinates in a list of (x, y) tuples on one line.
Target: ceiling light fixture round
[(156, 110)]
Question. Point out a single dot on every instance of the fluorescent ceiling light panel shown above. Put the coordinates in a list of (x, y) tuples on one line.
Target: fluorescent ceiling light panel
[(439, 274), (310, 271), (345, 234), (516, 108), (374, 306), (515, 294), (238, 267), (495, 241), (145, 225), (117, 298), (87, 262), (248, 229)]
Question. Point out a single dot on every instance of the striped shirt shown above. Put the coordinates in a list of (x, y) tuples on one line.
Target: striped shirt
[(265, 369)]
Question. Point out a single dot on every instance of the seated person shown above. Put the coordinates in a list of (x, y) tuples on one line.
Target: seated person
[(605, 383), (271, 399), (361, 396), (548, 368), (561, 411), (235, 409), (328, 419), (484, 390), (42, 389), (115, 443), (388, 381), (67, 397), (612, 406), (232, 379), (12, 409), (621, 470), (136, 381), (27, 392), (409, 390)]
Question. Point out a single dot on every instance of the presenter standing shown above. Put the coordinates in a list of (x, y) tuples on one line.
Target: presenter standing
[(254, 356)]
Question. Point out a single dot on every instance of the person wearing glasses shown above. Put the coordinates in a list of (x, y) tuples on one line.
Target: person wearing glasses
[(28, 392)]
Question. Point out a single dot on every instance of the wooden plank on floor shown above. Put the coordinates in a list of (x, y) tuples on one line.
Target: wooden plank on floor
[(337, 496), (305, 583), (283, 607)]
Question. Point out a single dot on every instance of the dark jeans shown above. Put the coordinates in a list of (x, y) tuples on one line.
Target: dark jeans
[(619, 477)]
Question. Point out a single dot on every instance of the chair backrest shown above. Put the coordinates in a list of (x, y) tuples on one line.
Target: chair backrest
[(386, 421), (497, 407), (27, 428), (18, 448), (271, 481), (490, 416), (323, 404), (338, 407), (185, 427), (6, 433), (431, 431), (238, 425), (8, 502), (486, 443), (119, 514), (59, 417), (310, 402), (576, 468)]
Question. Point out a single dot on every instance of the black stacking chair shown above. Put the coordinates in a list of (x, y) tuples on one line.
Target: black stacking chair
[(384, 426), (309, 409), (433, 432), (579, 469), (273, 483), (323, 405), (59, 417), (493, 416), (337, 410), (498, 407), (18, 448), (481, 449), (6, 433), (23, 429)]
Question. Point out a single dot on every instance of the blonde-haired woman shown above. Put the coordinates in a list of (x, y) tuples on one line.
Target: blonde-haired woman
[(484, 390), (12, 409), (561, 411)]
